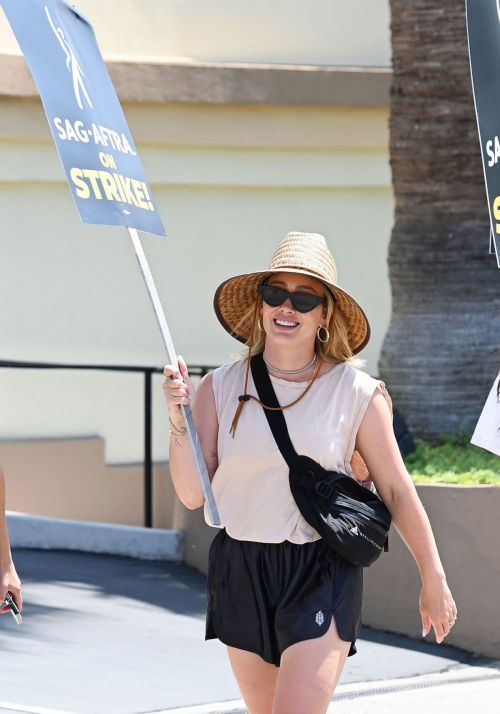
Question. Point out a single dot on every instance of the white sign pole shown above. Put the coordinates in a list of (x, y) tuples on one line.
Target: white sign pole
[(169, 345)]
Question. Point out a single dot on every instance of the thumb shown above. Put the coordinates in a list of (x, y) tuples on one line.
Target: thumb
[(184, 370)]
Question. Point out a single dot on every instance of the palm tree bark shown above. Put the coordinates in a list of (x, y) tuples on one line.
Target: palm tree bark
[(442, 348)]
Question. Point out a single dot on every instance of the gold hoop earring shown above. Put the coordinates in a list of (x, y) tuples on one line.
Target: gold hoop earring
[(322, 327), (259, 325)]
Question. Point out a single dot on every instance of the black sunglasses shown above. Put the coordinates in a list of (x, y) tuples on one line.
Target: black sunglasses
[(302, 302)]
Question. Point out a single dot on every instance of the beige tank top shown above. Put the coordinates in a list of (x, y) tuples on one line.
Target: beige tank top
[(250, 485)]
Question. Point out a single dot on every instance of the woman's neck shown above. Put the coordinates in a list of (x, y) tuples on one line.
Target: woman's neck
[(284, 358), (288, 359)]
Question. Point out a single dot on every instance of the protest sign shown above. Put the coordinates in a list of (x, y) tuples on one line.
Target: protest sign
[(487, 431), (94, 142), (483, 31)]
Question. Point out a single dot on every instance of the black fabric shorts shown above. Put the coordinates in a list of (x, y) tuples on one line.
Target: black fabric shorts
[(264, 597)]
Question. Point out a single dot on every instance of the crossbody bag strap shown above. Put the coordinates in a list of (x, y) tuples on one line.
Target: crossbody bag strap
[(276, 419)]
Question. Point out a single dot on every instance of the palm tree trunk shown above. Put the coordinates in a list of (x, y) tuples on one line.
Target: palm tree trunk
[(442, 348)]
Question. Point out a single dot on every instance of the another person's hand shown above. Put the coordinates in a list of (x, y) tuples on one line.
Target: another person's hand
[(177, 387), (437, 607), (358, 465), (9, 582)]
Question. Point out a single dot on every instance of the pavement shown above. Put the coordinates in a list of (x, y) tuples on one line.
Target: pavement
[(114, 635)]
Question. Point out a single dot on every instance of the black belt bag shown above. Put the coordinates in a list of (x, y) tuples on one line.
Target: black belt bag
[(353, 520)]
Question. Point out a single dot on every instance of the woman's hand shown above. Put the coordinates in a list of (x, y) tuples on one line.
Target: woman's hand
[(9, 582), (437, 607), (177, 387)]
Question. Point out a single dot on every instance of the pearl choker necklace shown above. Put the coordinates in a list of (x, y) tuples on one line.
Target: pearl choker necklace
[(291, 371)]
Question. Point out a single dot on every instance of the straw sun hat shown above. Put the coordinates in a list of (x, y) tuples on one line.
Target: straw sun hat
[(305, 253)]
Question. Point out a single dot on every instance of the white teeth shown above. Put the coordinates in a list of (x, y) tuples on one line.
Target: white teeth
[(286, 324)]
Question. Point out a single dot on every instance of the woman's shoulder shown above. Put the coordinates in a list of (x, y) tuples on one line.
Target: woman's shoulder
[(364, 385), (226, 373), (228, 368), (359, 378)]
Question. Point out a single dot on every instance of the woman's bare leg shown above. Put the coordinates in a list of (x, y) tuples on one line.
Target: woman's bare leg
[(256, 680), (309, 673)]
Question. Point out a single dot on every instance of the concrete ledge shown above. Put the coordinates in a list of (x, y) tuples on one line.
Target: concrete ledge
[(148, 82), (26, 531)]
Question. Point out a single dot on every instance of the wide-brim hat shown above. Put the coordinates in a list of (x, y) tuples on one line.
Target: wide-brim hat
[(305, 253)]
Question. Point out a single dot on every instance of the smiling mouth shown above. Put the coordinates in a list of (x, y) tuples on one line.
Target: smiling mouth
[(285, 324)]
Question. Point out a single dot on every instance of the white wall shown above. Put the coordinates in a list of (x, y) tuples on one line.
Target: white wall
[(345, 32)]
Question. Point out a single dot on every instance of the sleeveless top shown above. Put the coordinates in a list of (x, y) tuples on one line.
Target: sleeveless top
[(250, 485)]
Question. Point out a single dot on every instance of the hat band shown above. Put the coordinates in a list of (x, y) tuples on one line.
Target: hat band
[(302, 268)]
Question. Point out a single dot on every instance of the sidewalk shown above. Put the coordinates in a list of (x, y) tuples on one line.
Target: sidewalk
[(110, 635)]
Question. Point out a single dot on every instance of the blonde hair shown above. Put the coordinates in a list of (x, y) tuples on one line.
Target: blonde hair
[(337, 348)]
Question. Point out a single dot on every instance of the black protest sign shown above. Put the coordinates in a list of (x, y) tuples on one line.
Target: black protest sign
[(483, 29)]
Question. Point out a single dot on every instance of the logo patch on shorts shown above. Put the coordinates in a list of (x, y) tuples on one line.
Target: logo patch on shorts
[(320, 618)]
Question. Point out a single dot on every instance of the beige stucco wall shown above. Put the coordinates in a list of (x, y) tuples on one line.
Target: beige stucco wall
[(313, 32), (229, 181), (68, 479)]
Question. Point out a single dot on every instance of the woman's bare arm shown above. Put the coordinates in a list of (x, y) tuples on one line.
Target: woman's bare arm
[(183, 469), (378, 447)]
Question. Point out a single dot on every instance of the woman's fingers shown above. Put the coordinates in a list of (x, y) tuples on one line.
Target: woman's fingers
[(437, 608), (185, 375), (442, 626), (426, 625), (183, 368), (3, 593), (175, 393), (171, 371), (15, 593), (17, 597), (441, 630), (175, 388)]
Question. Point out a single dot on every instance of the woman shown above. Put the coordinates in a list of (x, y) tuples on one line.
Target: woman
[(288, 609), (9, 580)]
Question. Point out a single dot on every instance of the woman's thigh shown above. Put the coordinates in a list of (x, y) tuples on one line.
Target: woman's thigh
[(309, 673), (256, 680)]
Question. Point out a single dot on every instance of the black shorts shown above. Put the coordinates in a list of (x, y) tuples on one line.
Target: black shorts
[(264, 597)]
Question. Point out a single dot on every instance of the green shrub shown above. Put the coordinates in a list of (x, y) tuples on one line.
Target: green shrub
[(452, 459)]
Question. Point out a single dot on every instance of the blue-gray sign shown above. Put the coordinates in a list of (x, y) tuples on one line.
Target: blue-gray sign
[(94, 142), (483, 30)]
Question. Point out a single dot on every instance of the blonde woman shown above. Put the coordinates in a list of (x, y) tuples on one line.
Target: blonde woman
[(9, 580), (288, 608)]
